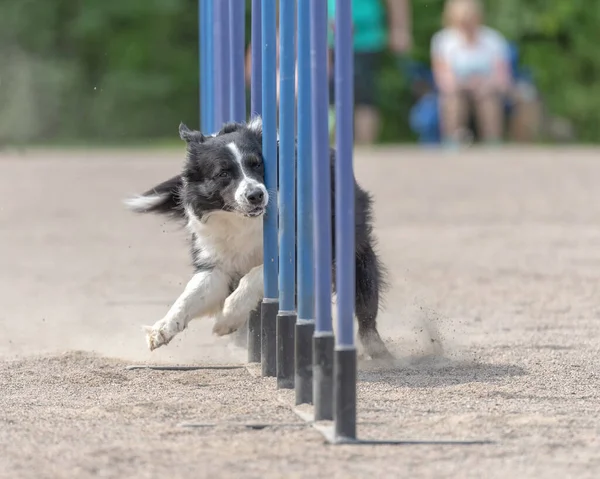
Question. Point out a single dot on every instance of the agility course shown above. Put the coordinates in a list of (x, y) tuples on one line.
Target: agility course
[(492, 314), (296, 341)]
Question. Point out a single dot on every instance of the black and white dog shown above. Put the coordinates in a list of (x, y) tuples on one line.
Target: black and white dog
[(221, 196)]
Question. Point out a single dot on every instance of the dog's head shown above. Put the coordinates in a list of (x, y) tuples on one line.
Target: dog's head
[(225, 172)]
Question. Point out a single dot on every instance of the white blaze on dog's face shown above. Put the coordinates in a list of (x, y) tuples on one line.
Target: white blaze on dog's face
[(251, 194), (224, 172)]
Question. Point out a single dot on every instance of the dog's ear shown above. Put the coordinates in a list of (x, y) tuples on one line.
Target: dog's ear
[(188, 135), (255, 125), (230, 128)]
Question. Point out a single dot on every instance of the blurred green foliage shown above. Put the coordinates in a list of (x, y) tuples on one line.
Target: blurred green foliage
[(105, 70), (122, 70)]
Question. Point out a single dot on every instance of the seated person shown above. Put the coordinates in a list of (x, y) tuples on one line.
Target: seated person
[(471, 67), (376, 24)]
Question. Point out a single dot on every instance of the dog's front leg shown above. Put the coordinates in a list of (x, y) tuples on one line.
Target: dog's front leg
[(205, 292), (239, 303)]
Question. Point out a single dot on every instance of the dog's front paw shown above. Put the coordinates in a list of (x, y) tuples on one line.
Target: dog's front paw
[(157, 335), (227, 324)]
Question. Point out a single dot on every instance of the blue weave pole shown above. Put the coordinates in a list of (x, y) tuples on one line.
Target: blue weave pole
[(344, 176), (256, 57), (286, 319), (237, 28), (345, 348), (323, 336), (222, 77), (254, 321), (202, 65), (208, 75), (218, 71), (269, 307), (305, 325)]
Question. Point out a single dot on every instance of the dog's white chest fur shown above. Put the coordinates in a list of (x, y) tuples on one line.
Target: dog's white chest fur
[(232, 242)]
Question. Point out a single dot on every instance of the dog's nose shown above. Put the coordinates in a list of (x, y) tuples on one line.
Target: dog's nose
[(255, 196)]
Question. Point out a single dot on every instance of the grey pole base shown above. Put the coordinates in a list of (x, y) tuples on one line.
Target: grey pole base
[(344, 393), (254, 336), (303, 362), (268, 333), (323, 376), (286, 324)]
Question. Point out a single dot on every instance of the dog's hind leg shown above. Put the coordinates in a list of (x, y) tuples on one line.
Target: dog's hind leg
[(204, 294), (369, 282)]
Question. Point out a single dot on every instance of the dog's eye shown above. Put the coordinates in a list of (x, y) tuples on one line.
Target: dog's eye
[(224, 174), (254, 163)]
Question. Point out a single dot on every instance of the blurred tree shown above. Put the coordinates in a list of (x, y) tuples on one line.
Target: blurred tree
[(112, 70)]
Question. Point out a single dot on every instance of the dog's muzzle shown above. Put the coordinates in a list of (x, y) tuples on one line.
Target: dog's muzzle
[(252, 199)]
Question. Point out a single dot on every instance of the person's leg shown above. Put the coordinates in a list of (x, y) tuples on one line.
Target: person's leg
[(489, 115), (367, 120), (525, 118), (366, 124), (331, 86), (454, 110)]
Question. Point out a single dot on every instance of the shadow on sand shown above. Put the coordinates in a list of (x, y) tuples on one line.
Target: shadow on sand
[(426, 371)]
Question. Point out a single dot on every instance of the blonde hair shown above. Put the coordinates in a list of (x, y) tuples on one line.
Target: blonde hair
[(457, 12)]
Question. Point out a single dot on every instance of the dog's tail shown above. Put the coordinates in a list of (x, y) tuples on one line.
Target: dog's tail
[(164, 199)]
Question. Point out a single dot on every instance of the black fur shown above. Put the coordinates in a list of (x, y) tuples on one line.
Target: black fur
[(171, 205)]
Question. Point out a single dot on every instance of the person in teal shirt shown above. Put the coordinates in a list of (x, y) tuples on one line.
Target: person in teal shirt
[(378, 24)]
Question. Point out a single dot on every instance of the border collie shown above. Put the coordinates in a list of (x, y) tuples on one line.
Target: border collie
[(221, 196)]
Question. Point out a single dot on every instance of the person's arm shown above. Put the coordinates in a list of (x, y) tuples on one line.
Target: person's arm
[(248, 72), (501, 74), (400, 25), (444, 77)]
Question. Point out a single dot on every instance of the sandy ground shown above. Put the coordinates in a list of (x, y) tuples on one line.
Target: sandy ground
[(493, 254)]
